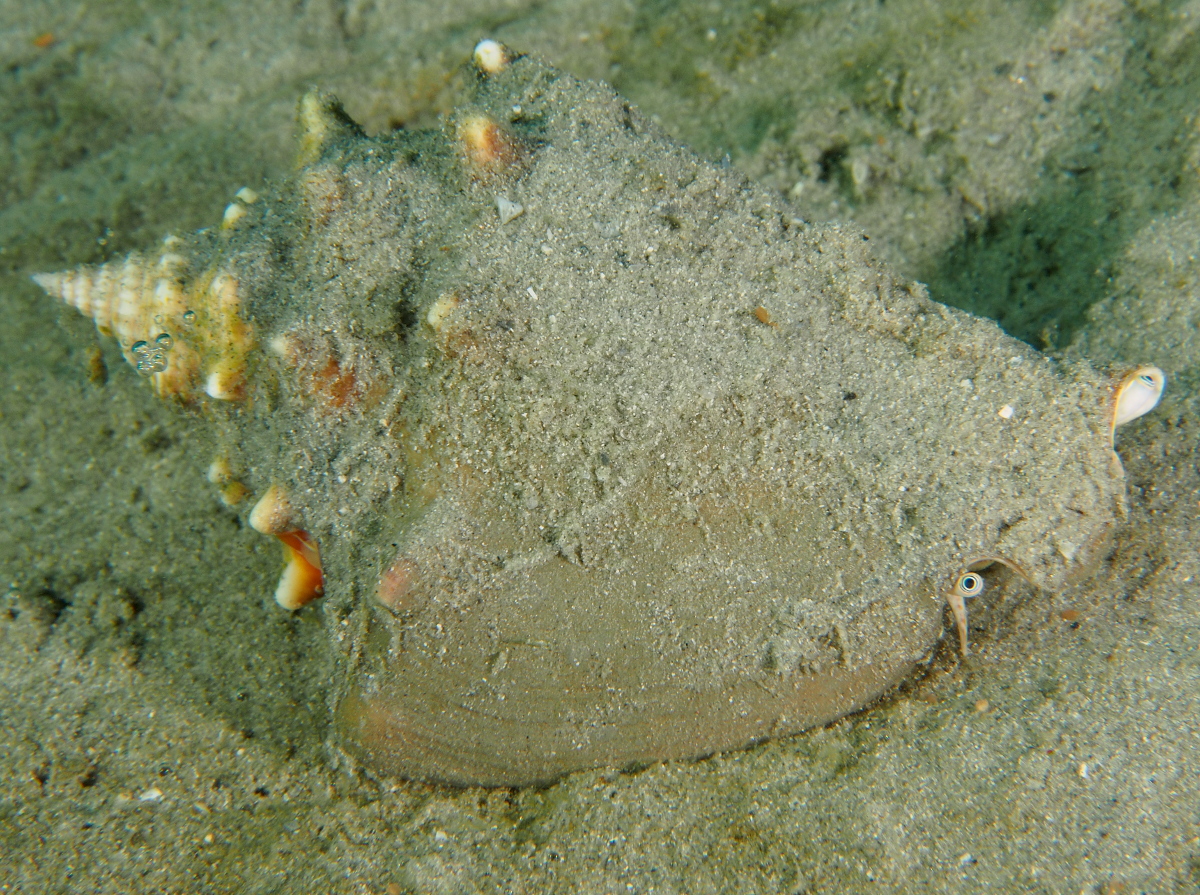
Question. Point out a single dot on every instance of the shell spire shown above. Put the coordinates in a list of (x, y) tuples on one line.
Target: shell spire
[(184, 335)]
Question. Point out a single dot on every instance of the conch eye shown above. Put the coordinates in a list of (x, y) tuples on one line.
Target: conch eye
[(970, 584)]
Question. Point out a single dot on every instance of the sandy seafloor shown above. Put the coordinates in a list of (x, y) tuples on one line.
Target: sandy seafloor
[(163, 724)]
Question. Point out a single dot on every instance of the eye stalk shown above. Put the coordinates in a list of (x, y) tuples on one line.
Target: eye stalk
[(968, 582), (1136, 394)]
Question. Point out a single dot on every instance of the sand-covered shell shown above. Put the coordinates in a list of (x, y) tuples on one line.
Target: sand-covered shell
[(609, 458)]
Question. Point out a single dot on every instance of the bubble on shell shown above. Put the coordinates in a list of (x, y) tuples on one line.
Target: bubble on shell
[(148, 358)]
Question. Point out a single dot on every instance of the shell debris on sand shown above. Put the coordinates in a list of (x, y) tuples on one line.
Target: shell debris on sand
[(574, 496)]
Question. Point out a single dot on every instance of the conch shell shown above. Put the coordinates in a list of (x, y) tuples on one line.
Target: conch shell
[(646, 470)]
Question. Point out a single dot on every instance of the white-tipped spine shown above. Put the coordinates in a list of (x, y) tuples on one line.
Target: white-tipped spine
[(491, 56), (272, 513)]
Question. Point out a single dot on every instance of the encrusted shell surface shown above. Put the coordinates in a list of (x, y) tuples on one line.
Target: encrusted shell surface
[(147, 303), (651, 470)]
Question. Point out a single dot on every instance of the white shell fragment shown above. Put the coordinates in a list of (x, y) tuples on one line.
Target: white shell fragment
[(508, 209), (440, 311)]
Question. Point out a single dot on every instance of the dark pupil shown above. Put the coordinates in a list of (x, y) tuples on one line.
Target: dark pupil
[(969, 582)]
